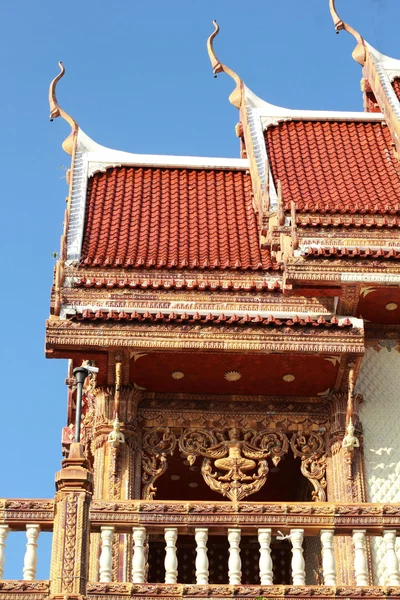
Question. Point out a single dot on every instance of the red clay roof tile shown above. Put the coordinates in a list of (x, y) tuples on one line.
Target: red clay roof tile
[(396, 86), (168, 217), (335, 167)]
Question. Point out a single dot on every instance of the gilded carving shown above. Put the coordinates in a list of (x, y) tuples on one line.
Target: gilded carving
[(235, 457), (310, 447), (157, 443)]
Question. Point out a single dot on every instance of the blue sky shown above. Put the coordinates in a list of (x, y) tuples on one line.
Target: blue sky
[(138, 79)]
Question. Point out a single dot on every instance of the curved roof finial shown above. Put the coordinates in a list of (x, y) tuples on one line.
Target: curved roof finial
[(57, 111), (359, 53), (236, 96)]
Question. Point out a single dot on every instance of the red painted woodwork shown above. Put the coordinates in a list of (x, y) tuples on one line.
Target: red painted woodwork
[(260, 374), (372, 305)]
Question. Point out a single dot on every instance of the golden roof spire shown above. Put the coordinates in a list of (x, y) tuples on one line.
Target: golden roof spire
[(359, 53), (236, 96), (57, 111)]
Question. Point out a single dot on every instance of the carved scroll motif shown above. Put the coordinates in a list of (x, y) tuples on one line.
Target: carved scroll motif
[(233, 458), (157, 444), (310, 447)]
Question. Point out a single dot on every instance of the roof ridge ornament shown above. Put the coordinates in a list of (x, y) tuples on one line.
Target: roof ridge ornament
[(236, 96), (359, 52), (57, 111)]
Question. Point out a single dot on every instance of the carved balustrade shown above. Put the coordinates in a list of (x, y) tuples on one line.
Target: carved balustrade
[(32, 517), (202, 521)]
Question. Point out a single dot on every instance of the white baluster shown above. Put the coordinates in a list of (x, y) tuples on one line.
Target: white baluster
[(139, 555), (30, 560), (328, 557), (264, 539), (4, 529), (360, 559), (201, 536), (234, 562), (392, 564), (105, 561), (298, 565), (171, 560)]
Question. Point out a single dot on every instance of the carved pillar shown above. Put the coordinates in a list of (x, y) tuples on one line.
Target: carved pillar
[(360, 558), (139, 557), (114, 468), (171, 560), (265, 564), (328, 557), (298, 564), (392, 563), (234, 562), (4, 529), (106, 554), (345, 478), (70, 549), (201, 536), (30, 560)]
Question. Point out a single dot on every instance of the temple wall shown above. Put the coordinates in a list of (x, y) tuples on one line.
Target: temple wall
[(379, 382)]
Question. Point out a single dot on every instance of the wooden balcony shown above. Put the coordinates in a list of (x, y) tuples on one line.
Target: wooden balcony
[(203, 522)]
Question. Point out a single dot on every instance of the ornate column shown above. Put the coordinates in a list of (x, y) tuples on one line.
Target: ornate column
[(234, 562), (360, 558), (171, 560), (345, 477), (4, 529), (298, 564), (30, 560), (201, 536), (113, 447), (328, 557), (70, 549), (392, 563), (264, 539), (106, 554), (139, 558)]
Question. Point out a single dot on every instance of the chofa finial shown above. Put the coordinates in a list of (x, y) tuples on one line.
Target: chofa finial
[(236, 96), (57, 111), (359, 53)]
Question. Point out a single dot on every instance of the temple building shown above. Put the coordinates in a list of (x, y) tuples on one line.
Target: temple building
[(232, 331)]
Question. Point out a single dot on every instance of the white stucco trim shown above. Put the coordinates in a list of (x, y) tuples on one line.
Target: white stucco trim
[(388, 64), (370, 277), (99, 158), (77, 208)]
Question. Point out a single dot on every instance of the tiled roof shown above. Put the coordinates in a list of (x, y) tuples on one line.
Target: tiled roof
[(170, 217), (209, 319), (396, 86), (335, 167)]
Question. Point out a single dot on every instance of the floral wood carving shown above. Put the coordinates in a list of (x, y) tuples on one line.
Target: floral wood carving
[(157, 443), (234, 458), (310, 447)]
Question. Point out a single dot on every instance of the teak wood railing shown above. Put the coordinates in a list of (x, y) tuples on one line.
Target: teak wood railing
[(202, 521)]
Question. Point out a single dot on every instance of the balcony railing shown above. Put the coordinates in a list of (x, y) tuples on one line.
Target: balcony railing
[(202, 521), (32, 517)]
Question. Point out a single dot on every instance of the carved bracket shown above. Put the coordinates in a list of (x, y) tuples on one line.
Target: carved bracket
[(157, 444), (310, 447)]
